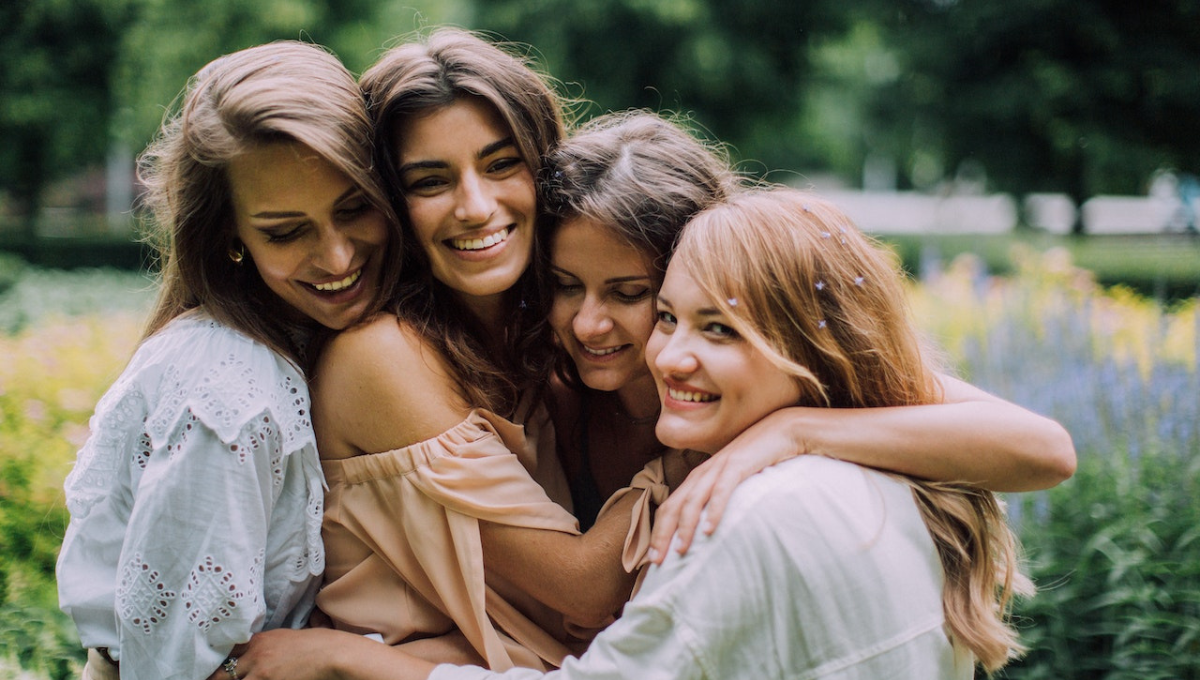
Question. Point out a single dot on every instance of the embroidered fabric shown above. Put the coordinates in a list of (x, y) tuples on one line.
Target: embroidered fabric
[(196, 504)]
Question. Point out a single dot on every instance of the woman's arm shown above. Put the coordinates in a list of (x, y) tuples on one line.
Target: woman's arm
[(972, 436), (322, 654), (580, 576)]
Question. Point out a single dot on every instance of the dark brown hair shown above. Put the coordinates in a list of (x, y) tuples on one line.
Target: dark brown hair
[(419, 77)]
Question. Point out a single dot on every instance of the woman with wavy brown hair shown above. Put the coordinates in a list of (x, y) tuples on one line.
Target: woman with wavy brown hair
[(196, 501)]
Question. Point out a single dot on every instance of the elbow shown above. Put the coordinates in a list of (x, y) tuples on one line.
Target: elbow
[(597, 601), (1060, 456)]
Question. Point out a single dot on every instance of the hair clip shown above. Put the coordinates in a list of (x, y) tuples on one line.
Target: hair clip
[(732, 302), (858, 281), (821, 323), (843, 240), (825, 234), (806, 208), (820, 285)]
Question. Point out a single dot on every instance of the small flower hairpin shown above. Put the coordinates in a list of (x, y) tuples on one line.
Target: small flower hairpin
[(820, 285), (858, 281), (821, 323), (732, 302)]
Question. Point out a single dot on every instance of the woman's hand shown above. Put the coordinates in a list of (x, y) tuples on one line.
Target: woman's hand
[(709, 485), (321, 654)]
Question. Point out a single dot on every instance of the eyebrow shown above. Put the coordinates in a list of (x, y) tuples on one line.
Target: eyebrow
[(435, 165), (281, 214), (706, 311)]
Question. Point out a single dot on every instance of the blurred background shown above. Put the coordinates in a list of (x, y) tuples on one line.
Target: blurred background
[(954, 116), (1033, 163)]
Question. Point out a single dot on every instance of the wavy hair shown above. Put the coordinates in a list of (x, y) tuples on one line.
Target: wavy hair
[(281, 91), (826, 305), (638, 174), (414, 79)]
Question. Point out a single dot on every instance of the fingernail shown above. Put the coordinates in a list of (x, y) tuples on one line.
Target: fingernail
[(653, 555)]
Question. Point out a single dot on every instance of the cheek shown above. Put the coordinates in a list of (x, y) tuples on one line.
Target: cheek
[(423, 219), (562, 313)]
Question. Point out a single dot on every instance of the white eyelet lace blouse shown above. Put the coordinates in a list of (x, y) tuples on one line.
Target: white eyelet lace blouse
[(195, 504)]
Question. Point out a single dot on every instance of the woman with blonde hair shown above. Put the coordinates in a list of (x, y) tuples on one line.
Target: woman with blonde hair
[(196, 501)]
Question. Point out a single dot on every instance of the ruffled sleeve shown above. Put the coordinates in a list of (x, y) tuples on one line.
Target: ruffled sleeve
[(404, 549), (651, 484), (207, 528)]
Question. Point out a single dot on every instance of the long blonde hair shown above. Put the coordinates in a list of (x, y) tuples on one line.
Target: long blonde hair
[(825, 303), (284, 90)]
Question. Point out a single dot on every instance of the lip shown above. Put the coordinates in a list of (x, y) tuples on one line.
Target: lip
[(485, 252), (674, 396), (609, 355), (342, 295)]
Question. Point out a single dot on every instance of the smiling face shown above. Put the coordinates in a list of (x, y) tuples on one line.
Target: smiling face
[(316, 240), (470, 197), (712, 382), (603, 308)]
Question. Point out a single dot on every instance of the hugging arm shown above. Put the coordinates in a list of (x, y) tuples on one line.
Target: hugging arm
[(973, 436)]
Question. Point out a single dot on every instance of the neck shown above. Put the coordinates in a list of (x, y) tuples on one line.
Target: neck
[(639, 400)]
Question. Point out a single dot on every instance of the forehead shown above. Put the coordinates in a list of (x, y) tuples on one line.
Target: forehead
[(461, 128), (276, 173), (582, 243), (681, 290)]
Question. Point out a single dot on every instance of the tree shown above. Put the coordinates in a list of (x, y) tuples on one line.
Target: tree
[(1048, 95), (738, 67), (55, 91)]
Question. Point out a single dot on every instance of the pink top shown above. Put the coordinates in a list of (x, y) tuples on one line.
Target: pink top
[(402, 543)]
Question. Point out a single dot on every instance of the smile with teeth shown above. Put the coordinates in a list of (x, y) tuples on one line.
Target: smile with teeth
[(601, 352), (684, 395), (335, 286), (479, 243)]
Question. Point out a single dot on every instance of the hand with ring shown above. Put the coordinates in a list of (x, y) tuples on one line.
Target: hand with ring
[(230, 667)]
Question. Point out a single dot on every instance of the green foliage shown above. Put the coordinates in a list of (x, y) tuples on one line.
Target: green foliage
[(739, 67), (70, 333), (55, 89), (1117, 554), (37, 293), (1050, 96)]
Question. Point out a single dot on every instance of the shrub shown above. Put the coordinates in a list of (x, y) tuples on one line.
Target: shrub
[(1116, 549)]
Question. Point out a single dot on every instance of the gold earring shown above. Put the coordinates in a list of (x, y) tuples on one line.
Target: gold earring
[(237, 255)]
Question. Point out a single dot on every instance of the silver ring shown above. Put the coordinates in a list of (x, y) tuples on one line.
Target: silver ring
[(230, 667)]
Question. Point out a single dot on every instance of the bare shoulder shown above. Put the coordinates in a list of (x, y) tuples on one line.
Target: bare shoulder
[(381, 386)]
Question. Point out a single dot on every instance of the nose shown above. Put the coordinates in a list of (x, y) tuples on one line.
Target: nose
[(675, 359), (591, 320), (475, 203), (335, 251)]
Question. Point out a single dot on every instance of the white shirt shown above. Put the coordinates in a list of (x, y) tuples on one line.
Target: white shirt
[(820, 569), (195, 504)]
